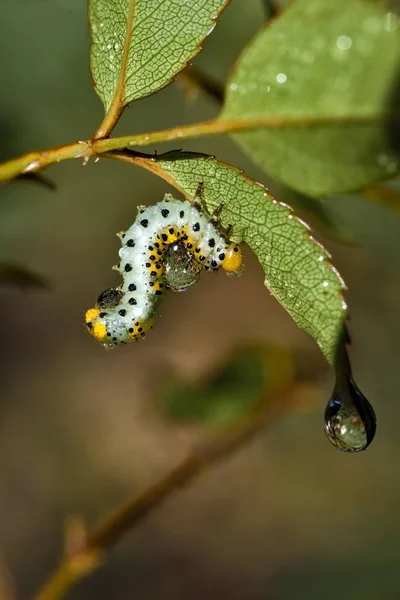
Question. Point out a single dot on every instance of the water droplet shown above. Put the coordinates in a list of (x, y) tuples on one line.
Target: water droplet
[(181, 268), (116, 46), (233, 87), (350, 421), (281, 78), (124, 253), (325, 283), (344, 42), (109, 298)]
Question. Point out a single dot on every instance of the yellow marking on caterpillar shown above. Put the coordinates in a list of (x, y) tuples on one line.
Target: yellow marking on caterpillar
[(99, 331), (233, 261), (141, 325), (91, 314)]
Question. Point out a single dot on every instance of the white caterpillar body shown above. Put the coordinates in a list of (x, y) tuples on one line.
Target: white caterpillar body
[(130, 310)]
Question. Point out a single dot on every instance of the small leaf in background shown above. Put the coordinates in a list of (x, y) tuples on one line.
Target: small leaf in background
[(20, 276), (326, 73), (249, 376), (138, 46), (297, 268)]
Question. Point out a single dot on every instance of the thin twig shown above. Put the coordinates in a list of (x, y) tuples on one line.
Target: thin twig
[(36, 161), (74, 568)]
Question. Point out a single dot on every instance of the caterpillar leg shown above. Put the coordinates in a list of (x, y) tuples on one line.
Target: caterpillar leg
[(199, 202), (198, 198)]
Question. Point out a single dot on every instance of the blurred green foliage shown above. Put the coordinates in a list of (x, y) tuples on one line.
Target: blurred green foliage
[(248, 377)]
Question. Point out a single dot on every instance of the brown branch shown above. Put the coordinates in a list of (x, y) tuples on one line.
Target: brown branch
[(89, 557)]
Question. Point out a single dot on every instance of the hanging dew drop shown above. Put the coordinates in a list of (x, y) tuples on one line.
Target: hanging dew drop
[(350, 421)]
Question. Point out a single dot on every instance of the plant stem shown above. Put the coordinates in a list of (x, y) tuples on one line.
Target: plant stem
[(205, 128), (35, 161), (73, 569)]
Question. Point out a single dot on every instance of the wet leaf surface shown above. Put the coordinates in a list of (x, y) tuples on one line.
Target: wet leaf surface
[(297, 268), (138, 46), (321, 81)]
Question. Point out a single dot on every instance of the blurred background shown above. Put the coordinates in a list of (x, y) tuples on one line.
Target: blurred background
[(81, 429)]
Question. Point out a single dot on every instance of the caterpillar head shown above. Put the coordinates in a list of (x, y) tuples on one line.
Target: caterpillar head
[(103, 321), (110, 323), (96, 325), (233, 261)]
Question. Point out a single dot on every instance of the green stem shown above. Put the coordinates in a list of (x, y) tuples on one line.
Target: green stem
[(35, 161)]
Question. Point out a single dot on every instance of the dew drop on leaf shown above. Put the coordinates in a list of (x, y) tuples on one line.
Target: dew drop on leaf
[(350, 421)]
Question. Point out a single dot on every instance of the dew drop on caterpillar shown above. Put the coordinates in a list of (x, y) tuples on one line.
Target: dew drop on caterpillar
[(181, 269), (167, 246)]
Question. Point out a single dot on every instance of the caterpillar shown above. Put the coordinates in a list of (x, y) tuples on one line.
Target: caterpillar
[(171, 229)]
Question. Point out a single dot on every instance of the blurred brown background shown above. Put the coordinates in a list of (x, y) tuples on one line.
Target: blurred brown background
[(285, 517)]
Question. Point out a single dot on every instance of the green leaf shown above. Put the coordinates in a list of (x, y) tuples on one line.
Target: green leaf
[(321, 84), (317, 213), (249, 376), (17, 275), (138, 46), (297, 268)]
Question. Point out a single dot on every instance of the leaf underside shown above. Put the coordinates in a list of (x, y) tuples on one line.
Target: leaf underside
[(297, 268), (138, 46), (328, 72)]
